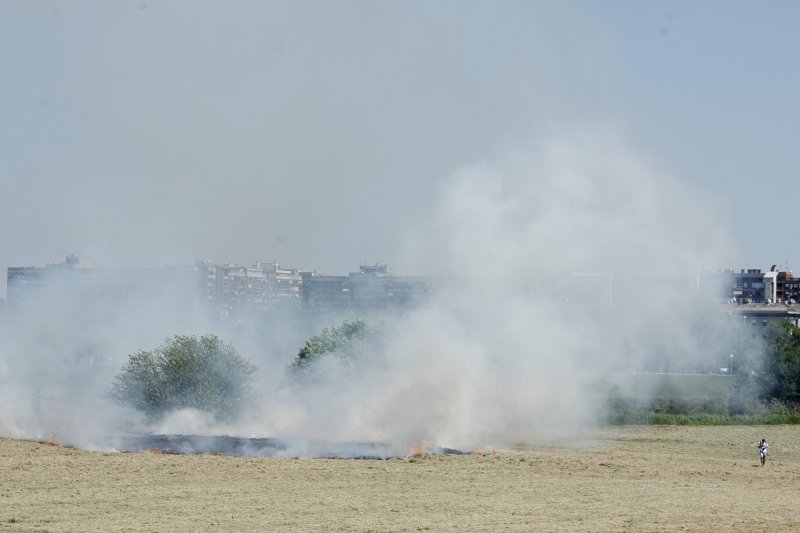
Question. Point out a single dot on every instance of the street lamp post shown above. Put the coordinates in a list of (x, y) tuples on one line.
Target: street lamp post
[(731, 367)]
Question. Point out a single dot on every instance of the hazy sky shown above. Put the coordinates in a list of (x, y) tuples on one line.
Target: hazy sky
[(317, 133)]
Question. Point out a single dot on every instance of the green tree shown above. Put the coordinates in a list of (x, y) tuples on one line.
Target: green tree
[(186, 372), (346, 341), (781, 372)]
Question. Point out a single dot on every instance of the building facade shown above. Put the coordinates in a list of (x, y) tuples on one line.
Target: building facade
[(79, 287), (227, 293), (236, 293), (373, 288), (752, 286)]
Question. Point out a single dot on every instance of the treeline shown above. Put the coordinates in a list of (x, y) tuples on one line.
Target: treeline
[(209, 375), (764, 389), (780, 377)]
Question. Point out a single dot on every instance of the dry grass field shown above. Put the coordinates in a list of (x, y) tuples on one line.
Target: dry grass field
[(623, 479)]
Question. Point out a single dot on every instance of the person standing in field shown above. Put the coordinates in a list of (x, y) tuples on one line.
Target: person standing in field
[(762, 451)]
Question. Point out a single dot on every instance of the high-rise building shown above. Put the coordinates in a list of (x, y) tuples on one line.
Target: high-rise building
[(241, 294), (78, 287), (372, 288)]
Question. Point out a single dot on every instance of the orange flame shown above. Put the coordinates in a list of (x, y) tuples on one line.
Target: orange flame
[(155, 452), (418, 450), (51, 441), (481, 452)]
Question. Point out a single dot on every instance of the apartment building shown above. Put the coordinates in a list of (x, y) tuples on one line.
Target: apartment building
[(242, 294), (751, 286), (372, 288), (78, 287)]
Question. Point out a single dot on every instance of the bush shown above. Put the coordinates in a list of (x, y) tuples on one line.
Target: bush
[(781, 372), (186, 372), (345, 341)]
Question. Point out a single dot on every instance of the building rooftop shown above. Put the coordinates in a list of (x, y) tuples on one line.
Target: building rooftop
[(762, 309)]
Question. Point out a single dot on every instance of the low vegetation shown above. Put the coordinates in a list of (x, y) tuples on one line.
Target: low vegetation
[(762, 390), (769, 418)]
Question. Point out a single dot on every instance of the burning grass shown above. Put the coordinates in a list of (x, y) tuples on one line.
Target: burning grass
[(418, 450), (49, 441)]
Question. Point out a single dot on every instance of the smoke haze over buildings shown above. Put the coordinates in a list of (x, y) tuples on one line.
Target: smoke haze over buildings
[(144, 133), (502, 350), (500, 146), (494, 353)]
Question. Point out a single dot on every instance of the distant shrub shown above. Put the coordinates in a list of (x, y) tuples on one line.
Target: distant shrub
[(700, 419), (186, 372), (780, 376), (346, 341)]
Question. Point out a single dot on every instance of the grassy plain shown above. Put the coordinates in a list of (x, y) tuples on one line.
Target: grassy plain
[(661, 478)]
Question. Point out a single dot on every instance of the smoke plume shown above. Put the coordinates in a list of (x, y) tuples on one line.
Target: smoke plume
[(563, 259)]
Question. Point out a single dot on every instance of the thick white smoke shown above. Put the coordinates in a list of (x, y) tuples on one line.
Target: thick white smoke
[(564, 258), (505, 351)]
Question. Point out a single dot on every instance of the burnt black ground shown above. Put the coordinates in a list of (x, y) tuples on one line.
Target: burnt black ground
[(261, 447)]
